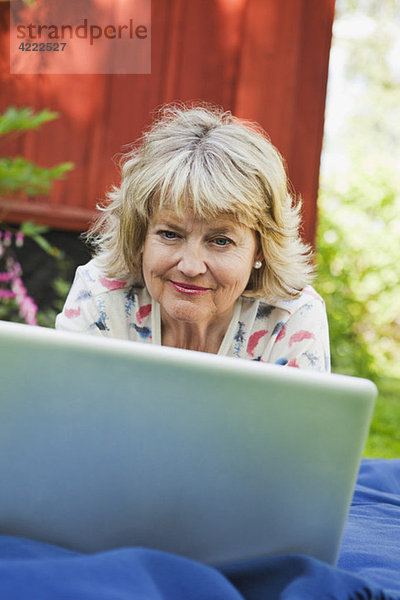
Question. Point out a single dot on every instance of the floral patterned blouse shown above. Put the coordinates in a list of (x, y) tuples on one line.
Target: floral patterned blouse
[(287, 332)]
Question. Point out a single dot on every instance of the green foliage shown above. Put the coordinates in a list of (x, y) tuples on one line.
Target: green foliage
[(9, 311), (358, 272), (35, 232), (46, 316), (359, 207), (21, 178), (385, 9), (358, 276), (23, 119), (384, 437)]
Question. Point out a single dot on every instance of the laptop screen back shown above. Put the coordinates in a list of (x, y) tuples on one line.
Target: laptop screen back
[(108, 443)]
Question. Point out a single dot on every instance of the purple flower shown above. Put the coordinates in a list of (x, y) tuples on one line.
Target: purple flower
[(26, 305), (5, 276), (6, 294), (19, 239), (7, 238)]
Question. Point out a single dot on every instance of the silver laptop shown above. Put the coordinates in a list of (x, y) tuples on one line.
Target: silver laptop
[(109, 443)]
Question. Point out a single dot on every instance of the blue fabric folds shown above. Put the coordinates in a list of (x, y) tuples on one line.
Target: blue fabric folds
[(371, 542), (369, 564)]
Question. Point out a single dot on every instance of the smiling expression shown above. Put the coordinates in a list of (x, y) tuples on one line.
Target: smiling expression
[(197, 269)]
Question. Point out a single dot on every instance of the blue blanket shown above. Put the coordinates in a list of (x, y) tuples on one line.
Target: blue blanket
[(369, 564)]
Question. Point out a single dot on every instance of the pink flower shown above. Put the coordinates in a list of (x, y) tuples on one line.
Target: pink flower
[(27, 307), (28, 310), (19, 239), (7, 238), (5, 276), (6, 294)]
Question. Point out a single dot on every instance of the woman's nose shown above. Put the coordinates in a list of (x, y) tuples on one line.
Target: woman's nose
[(192, 261)]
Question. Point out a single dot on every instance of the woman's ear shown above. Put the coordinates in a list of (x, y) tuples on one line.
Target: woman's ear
[(259, 254)]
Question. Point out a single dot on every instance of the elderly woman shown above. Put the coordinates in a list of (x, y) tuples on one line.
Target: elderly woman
[(199, 248)]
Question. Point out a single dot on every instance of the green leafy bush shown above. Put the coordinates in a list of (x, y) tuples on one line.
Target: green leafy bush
[(358, 252), (20, 178)]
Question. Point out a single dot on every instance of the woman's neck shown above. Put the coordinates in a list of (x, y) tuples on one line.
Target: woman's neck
[(202, 337)]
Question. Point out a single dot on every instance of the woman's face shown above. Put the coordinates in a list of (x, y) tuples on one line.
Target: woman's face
[(197, 269)]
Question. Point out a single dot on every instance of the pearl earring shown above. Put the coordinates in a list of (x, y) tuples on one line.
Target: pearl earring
[(258, 264)]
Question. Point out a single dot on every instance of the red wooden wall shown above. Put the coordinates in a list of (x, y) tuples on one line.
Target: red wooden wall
[(265, 60)]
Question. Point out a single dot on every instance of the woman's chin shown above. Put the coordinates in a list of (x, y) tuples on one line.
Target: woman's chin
[(185, 312)]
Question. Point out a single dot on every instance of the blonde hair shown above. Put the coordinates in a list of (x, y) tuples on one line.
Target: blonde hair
[(204, 159)]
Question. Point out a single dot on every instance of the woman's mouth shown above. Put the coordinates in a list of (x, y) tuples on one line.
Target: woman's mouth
[(186, 288)]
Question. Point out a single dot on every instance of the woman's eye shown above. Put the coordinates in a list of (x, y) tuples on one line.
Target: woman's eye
[(221, 241), (168, 235)]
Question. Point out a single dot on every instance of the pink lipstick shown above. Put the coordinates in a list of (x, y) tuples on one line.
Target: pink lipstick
[(185, 288)]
